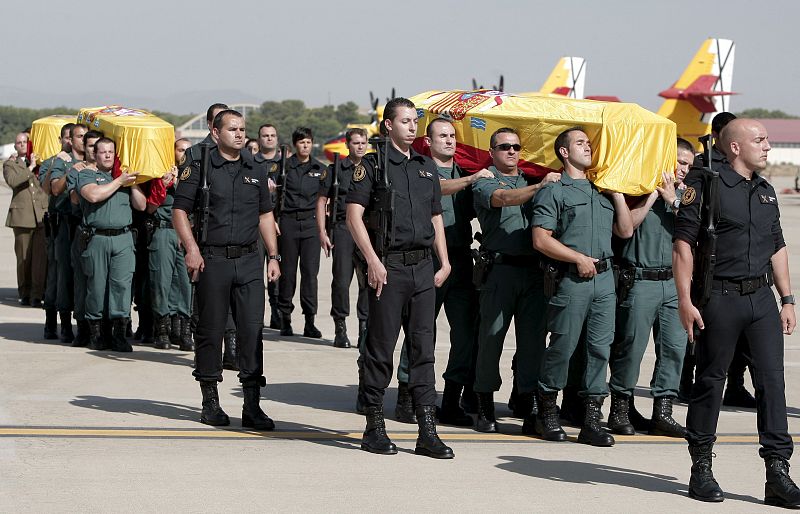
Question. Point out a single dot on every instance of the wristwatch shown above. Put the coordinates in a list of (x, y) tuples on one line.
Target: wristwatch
[(676, 203), (788, 299), (276, 257)]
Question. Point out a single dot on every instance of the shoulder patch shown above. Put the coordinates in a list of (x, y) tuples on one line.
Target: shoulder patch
[(689, 195), (359, 173), (274, 167), (186, 173), (324, 174)]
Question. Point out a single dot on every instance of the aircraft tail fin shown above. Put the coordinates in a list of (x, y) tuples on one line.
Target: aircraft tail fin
[(567, 78)]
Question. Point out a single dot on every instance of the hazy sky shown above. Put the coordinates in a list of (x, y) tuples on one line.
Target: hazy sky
[(179, 56)]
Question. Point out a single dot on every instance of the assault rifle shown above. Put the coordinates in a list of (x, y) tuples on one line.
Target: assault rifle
[(201, 211), (381, 214), (280, 184), (337, 166), (705, 254)]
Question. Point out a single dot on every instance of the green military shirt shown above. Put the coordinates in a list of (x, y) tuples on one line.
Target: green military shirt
[(579, 216), (60, 168), (651, 244), (113, 212), (505, 229), (72, 183), (457, 210), (164, 211), (46, 164)]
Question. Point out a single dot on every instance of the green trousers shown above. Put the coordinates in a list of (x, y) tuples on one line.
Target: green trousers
[(651, 304), (51, 285), (78, 281), (171, 289), (108, 263), (64, 273), (511, 292), (580, 304)]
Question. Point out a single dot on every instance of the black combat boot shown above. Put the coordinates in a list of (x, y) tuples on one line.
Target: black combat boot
[(451, 412), (702, 485), (529, 402), (286, 325), (780, 489), (546, 422), (639, 422), (572, 408), (50, 324), (592, 433), (404, 411), (618, 421), (66, 327), (82, 337), (486, 421), (513, 400), (736, 395), (162, 327), (212, 414), (362, 332), (375, 439), (428, 442), (119, 328), (309, 330), (252, 415), (186, 344), (175, 330), (469, 402), (129, 329), (340, 340), (663, 423), (97, 340), (230, 352), (274, 318)]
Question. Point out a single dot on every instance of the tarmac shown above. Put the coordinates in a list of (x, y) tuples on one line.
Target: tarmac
[(87, 431)]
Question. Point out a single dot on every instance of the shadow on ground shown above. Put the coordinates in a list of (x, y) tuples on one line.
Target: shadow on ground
[(588, 473)]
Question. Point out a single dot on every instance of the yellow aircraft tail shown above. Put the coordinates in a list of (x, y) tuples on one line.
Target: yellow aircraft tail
[(703, 90), (567, 78)]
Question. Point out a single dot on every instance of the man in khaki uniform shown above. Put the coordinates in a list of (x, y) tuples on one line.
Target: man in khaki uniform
[(25, 216)]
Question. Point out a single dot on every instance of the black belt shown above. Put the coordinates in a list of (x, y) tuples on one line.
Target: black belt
[(162, 224), (653, 273), (111, 231), (744, 286), (408, 257), (301, 215), (600, 266), (230, 251), (525, 261)]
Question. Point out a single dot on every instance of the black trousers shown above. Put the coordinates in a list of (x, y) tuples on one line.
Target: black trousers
[(238, 285), (299, 241), (727, 317), (343, 268), (408, 289)]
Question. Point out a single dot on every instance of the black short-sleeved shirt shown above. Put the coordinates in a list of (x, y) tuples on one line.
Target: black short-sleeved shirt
[(418, 196), (749, 230), (345, 175), (302, 184), (238, 194)]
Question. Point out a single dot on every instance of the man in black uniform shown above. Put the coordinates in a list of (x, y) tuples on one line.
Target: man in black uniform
[(750, 251), (299, 240), (228, 267), (344, 247), (269, 156), (402, 279)]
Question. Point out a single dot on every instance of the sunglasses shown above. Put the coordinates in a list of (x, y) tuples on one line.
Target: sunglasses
[(504, 147)]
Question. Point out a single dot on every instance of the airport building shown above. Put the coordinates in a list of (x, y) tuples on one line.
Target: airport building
[(196, 129), (784, 138)]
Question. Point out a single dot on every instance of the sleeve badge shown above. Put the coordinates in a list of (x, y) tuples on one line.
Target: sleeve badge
[(689, 195)]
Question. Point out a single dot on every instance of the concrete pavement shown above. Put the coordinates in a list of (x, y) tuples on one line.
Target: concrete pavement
[(104, 432)]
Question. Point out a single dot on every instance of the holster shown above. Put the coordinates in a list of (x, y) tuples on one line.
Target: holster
[(150, 227), (624, 279), (483, 264), (85, 235), (552, 277)]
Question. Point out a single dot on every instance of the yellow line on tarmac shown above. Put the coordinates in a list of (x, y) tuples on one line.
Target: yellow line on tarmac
[(151, 433)]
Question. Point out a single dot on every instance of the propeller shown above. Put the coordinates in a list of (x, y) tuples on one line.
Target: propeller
[(474, 84)]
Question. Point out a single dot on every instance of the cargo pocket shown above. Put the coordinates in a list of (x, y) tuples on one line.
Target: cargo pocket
[(625, 317), (557, 319)]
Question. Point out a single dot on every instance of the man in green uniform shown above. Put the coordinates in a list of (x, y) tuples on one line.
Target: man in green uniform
[(572, 225), (513, 284), (171, 289), (51, 230), (108, 259), (66, 226), (648, 300), (79, 278)]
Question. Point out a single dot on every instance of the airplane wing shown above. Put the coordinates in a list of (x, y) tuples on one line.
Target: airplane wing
[(567, 78)]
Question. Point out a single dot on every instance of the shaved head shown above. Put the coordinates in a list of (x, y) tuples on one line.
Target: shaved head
[(745, 143)]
